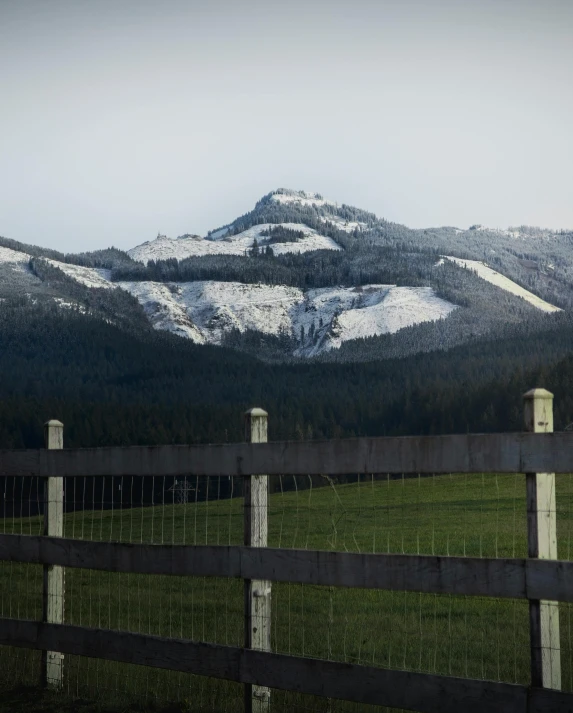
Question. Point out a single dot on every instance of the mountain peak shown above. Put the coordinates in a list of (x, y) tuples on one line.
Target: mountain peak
[(287, 195)]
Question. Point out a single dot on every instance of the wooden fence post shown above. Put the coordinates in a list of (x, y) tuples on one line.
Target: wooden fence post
[(257, 592), (53, 592), (542, 544)]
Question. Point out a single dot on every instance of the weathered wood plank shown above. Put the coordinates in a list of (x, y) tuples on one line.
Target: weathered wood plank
[(549, 579), (53, 579), (257, 592), (479, 453), (396, 689), (425, 693), (508, 578), (182, 560), (172, 654), (549, 701), (542, 544), (20, 463)]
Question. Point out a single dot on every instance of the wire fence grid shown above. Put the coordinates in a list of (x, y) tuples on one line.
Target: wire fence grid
[(452, 515)]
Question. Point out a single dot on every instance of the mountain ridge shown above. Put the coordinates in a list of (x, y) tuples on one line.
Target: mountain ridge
[(481, 281)]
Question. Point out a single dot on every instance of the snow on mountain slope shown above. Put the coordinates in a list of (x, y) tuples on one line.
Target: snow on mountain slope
[(311, 240), (216, 308), (388, 313), (88, 276), (29, 285), (499, 280), (319, 320), (512, 232), (14, 259), (163, 248), (331, 316), (67, 304), (300, 197), (164, 309), (347, 225)]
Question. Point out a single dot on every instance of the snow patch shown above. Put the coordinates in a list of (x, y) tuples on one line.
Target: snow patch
[(164, 308), (499, 280), (88, 276), (206, 311), (301, 198), (348, 226), (359, 312), (317, 320), (14, 259), (66, 304), (510, 232), (163, 248)]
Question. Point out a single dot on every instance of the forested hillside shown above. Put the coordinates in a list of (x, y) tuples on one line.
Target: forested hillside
[(110, 386), (337, 322), (341, 284)]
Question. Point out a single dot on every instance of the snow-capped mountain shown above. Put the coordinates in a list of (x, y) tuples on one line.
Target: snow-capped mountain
[(316, 275), (206, 311), (303, 198)]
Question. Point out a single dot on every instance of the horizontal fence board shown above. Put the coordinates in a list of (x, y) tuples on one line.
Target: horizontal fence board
[(479, 453), (485, 577), (549, 701), (549, 579), (21, 462), (181, 560), (426, 693)]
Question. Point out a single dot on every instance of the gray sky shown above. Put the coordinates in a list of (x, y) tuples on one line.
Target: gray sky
[(120, 118)]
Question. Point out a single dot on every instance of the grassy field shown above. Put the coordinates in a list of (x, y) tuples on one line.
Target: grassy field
[(470, 515)]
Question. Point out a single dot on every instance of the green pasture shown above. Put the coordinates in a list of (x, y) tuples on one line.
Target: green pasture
[(473, 515)]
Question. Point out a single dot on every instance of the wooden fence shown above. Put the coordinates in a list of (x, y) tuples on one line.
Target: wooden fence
[(541, 578)]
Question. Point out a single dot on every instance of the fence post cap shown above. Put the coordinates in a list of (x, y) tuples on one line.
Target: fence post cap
[(538, 394), (54, 424), (256, 412)]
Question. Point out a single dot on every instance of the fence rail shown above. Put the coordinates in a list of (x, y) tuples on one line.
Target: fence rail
[(541, 579), (361, 684), (472, 453), (469, 576)]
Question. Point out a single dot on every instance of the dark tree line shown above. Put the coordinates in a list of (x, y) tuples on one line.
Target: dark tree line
[(112, 387)]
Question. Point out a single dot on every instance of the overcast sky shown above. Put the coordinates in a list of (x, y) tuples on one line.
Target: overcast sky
[(123, 118)]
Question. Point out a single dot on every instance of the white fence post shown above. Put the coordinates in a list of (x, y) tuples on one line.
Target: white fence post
[(257, 592), (53, 592), (542, 544)]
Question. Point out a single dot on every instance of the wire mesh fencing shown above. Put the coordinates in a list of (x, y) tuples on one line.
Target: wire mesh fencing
[(151, 510), (473, 515), (21, 583)]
